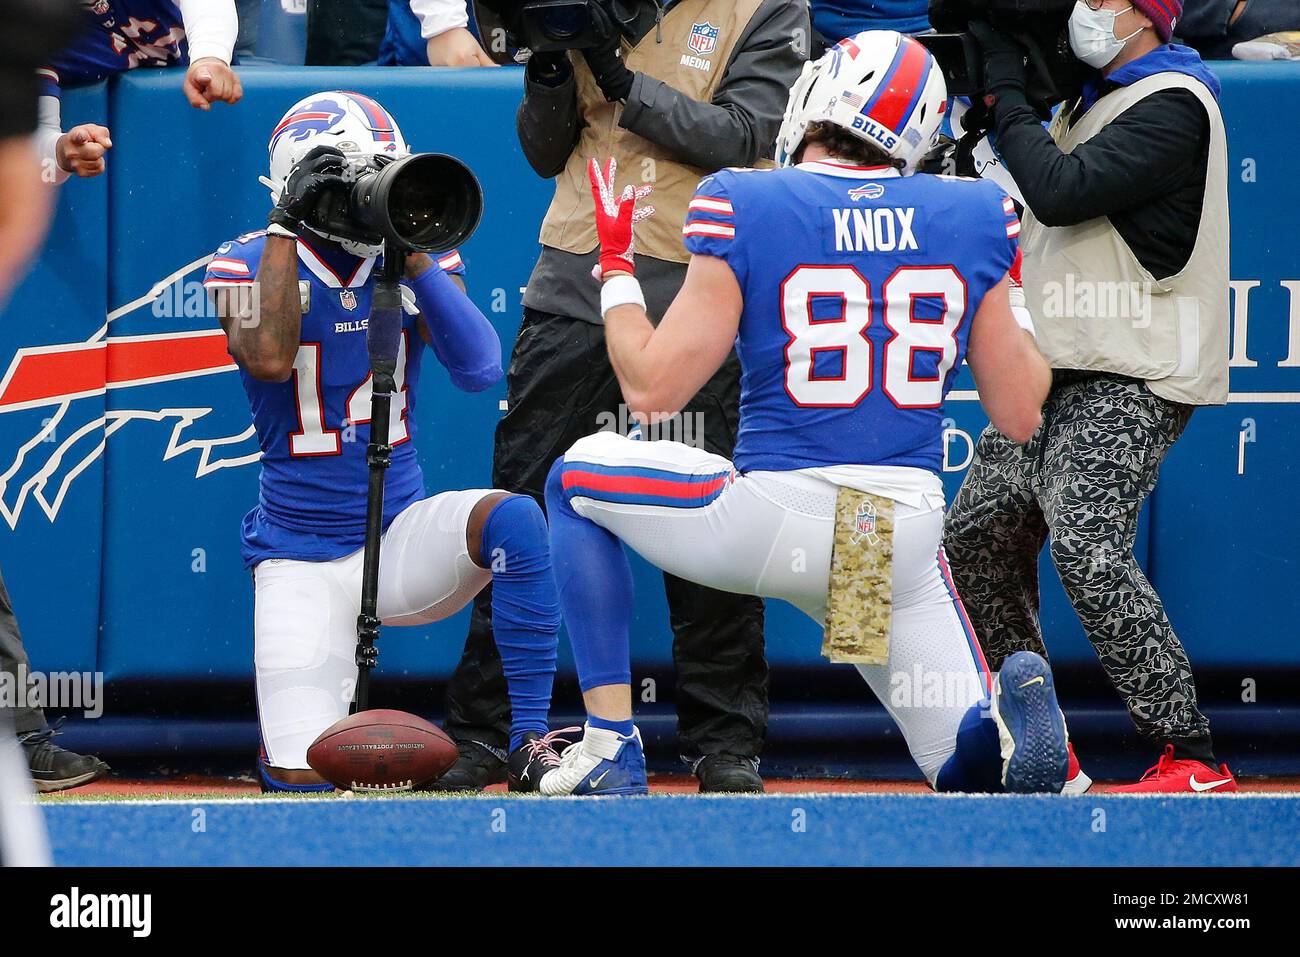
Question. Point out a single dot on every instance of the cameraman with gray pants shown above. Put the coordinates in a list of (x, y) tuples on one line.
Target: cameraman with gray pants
[(1125, 248)]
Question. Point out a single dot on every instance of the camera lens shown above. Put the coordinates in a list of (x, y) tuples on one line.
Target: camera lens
[(428, 202), (566, 22), (420, 211)]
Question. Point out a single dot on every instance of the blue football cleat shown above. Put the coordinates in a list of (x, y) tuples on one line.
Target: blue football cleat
[(602, 763), (1031, 729)]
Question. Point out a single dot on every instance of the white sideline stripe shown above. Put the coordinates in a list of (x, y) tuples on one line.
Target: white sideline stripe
[(254, 800), (1234, 398)]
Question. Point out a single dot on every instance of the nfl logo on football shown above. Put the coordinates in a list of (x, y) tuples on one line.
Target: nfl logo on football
[(702, 42)]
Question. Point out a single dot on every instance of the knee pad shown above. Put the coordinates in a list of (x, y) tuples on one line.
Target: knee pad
[(516, 527)]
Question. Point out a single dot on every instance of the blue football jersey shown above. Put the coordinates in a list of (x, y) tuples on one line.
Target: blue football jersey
[(859, 286), (314, 428), (118, 35)]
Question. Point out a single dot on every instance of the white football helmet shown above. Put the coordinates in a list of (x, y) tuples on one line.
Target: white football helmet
[(880, 86), (352, 123)]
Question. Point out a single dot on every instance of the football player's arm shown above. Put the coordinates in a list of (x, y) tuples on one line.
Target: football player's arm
[(660, 369), (263, 329), (211, 26), (1011, 374), (461, 337)]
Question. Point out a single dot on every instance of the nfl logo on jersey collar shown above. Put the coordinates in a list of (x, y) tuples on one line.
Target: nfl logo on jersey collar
[(348, 298)]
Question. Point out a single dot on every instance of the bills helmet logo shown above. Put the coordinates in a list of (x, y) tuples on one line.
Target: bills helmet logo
[(315, 117), (867, 191), (704, 39), (864, 524)]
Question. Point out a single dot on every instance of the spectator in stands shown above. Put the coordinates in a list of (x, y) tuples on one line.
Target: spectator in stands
[(836, 19), (159, 33), (1125, 247), (675, 91), (345, 32), (431, 33), (1214, 27), (35, 30)]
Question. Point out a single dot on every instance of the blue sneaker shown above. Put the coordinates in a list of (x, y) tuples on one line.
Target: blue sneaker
[(1031, 728), (602, 763)]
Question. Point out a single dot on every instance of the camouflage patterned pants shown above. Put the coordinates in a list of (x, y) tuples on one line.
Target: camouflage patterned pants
[(1081, 480)]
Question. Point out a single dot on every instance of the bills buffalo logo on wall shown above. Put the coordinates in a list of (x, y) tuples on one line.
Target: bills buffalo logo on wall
[(704, 39)]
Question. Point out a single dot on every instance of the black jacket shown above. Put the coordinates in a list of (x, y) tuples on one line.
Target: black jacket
[(737, 128), (1145, 171)]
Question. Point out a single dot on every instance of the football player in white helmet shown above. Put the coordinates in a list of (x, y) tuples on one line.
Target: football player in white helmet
[(856, 86), (305, 368), (851, 326)]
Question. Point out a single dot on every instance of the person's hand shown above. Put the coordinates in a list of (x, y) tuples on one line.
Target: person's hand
[(419, 263), (81, 150), (320, 170), (615, 219), (1004, 59), (456, 47), (209, 80), (605, 58)]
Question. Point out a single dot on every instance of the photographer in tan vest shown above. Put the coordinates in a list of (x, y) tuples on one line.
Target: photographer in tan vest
[(673, 90), (1125, 246)]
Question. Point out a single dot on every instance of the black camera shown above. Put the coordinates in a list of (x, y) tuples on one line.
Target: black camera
[(425, 202), (1041, 26), (546, 26)]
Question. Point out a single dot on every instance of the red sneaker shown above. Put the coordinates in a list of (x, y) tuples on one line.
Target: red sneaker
[(1076, 782), (1180, 776)]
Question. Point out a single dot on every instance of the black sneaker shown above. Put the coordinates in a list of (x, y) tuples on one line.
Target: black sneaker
[(53, 768), (478, 766), (728, 774), (534, 757)]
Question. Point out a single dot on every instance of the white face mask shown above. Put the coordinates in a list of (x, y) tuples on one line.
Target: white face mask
[(1092, 34)]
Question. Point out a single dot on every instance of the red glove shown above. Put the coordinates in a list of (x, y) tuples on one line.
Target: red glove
[(615, 218)]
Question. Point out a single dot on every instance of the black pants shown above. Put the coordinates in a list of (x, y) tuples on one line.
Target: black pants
[(12, 655), (559, 384)]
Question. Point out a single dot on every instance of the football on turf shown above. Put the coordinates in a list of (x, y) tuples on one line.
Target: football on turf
[(381, 750)]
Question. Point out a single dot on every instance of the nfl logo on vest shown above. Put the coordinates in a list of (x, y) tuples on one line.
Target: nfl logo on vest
[(704, 39)]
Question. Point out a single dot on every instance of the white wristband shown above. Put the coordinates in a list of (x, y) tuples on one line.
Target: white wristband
[(275, 229), (1024, 320), (620, 291), (1016, 295)]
